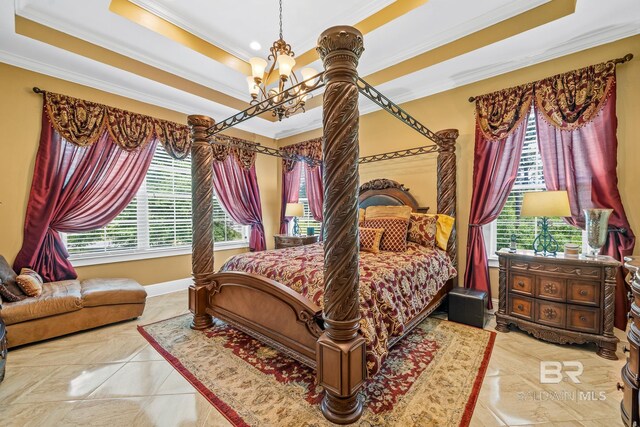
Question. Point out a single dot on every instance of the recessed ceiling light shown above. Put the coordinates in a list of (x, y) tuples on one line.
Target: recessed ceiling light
[(255, 45)]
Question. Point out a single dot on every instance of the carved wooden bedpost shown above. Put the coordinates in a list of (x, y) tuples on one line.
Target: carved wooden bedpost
[(202, 219), (447, 186), (341, 349)]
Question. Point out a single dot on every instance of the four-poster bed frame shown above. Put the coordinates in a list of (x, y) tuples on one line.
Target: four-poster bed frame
[(327, 340)]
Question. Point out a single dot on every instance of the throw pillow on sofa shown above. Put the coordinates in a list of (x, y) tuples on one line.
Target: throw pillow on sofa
[(30, 282)]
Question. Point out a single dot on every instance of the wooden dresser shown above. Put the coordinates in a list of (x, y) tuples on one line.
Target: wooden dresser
[(559, 299), (629, 407), (286, 241)]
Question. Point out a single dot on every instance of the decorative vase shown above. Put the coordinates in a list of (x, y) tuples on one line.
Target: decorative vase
[(597, 224)]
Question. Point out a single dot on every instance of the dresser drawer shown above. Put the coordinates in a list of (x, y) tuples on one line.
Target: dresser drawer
[(522, 284), (633, 361), (583, 319), (551, 288), (583, 292), (550, 313), (521, 307)]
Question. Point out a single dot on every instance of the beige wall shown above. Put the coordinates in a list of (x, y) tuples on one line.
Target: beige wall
[(380, 132), (20, 115)]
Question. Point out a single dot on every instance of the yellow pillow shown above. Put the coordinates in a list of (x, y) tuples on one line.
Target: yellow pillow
[(444, 225), (376, 212), (360, 216)]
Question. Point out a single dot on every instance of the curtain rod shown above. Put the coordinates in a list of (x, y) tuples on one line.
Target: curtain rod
[(628, 57)]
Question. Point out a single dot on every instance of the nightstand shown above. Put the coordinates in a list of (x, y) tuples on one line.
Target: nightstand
[(561, 299), (286, 241), (630, 405)]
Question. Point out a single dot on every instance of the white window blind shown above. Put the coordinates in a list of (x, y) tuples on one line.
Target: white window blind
[(529, 178), (157, 219), (307, 220)]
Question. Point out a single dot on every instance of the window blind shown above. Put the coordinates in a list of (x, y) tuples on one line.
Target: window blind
[(307, 220), (529, 178), (158, 218)]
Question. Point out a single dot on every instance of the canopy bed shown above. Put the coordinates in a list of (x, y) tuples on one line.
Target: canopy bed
[(328, 339)]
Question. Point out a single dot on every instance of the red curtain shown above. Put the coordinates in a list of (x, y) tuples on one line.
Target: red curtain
[(576, 124), (290, 191), (75, 189), (500, 130), (237, 189), (315, 191)]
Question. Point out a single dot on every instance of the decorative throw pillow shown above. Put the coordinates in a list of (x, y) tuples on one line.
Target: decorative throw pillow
[(422, 230), (360, 216), (30, 282), (8, 296), (394, 238), (370, 239), (444, 226), (375, 212), (8, 278)]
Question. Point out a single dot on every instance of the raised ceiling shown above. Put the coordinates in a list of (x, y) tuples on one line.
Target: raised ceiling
[(191, 55)]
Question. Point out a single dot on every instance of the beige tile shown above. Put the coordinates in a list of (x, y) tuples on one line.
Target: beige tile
[(147, 353), (484, 417), (20, 380), (42, 414), (134, 379), (72, 382), (108, 413), (176, 384), (216, 419), (175, 410)]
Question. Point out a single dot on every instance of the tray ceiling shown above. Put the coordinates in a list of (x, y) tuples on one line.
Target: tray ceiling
[(190, 55)]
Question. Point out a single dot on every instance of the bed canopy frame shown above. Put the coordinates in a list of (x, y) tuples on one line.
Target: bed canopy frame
[(327, 340)]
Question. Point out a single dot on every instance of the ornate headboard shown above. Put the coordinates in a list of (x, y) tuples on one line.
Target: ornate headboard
[(386, 192)]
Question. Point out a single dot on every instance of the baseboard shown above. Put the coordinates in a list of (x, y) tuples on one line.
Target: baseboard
[(167, 287)]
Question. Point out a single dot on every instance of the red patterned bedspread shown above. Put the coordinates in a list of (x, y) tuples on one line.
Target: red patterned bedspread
[(394, 287)]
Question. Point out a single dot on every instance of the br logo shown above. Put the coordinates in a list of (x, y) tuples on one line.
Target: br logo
[(552, 372)]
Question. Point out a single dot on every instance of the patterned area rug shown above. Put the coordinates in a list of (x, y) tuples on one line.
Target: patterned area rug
[(431, 377)]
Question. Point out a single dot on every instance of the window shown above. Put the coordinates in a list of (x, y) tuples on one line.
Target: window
[(156, 221), (529, 178), (307, 220)]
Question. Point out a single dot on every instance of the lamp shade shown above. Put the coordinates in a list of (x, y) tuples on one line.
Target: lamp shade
[(545, 203), (294, 209), (307, 73), (257, 67), (253, 87), (285, 64)]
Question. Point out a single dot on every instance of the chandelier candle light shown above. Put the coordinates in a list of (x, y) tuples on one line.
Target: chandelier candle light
[(545, 204), (282, 56)]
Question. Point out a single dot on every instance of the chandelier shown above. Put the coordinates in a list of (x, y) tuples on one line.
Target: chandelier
[(289, 93)]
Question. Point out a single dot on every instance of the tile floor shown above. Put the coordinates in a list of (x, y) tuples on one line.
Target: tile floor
[(112, 377)]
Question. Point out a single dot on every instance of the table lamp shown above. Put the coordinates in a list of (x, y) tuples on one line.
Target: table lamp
[(545, 204), (295, 210)]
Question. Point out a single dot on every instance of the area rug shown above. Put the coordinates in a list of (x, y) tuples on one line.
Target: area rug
[(431, 377)]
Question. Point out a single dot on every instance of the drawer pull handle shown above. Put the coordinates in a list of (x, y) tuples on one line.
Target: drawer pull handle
[(625, 349), (520, 307), (551, 288), (550, 313), (583, 319), (620, 387), (583, 292), (521, 283)]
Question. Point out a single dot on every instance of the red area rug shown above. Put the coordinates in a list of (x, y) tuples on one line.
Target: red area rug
[(431, 377)]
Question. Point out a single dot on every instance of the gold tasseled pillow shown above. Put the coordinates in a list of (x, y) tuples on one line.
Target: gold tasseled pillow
[(377, 212), (370, 239), (30, 282), (360, 216)]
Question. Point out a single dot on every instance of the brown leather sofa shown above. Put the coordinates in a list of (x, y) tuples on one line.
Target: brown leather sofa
[(69, 306)]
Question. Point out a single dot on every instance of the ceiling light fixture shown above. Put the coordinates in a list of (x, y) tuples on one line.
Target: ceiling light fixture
[(255, 45), (282, 56)]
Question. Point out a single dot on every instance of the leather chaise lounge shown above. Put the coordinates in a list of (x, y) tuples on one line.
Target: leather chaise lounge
[(69, 306)]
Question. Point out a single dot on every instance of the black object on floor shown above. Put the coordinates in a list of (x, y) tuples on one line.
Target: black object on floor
[(468, 306)]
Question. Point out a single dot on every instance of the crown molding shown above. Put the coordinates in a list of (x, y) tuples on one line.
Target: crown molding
[(27, 11), (106, 86), (165, 13), (471, 26)]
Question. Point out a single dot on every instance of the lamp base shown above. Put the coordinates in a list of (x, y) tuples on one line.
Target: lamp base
[(544, 243), (296, 227)]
